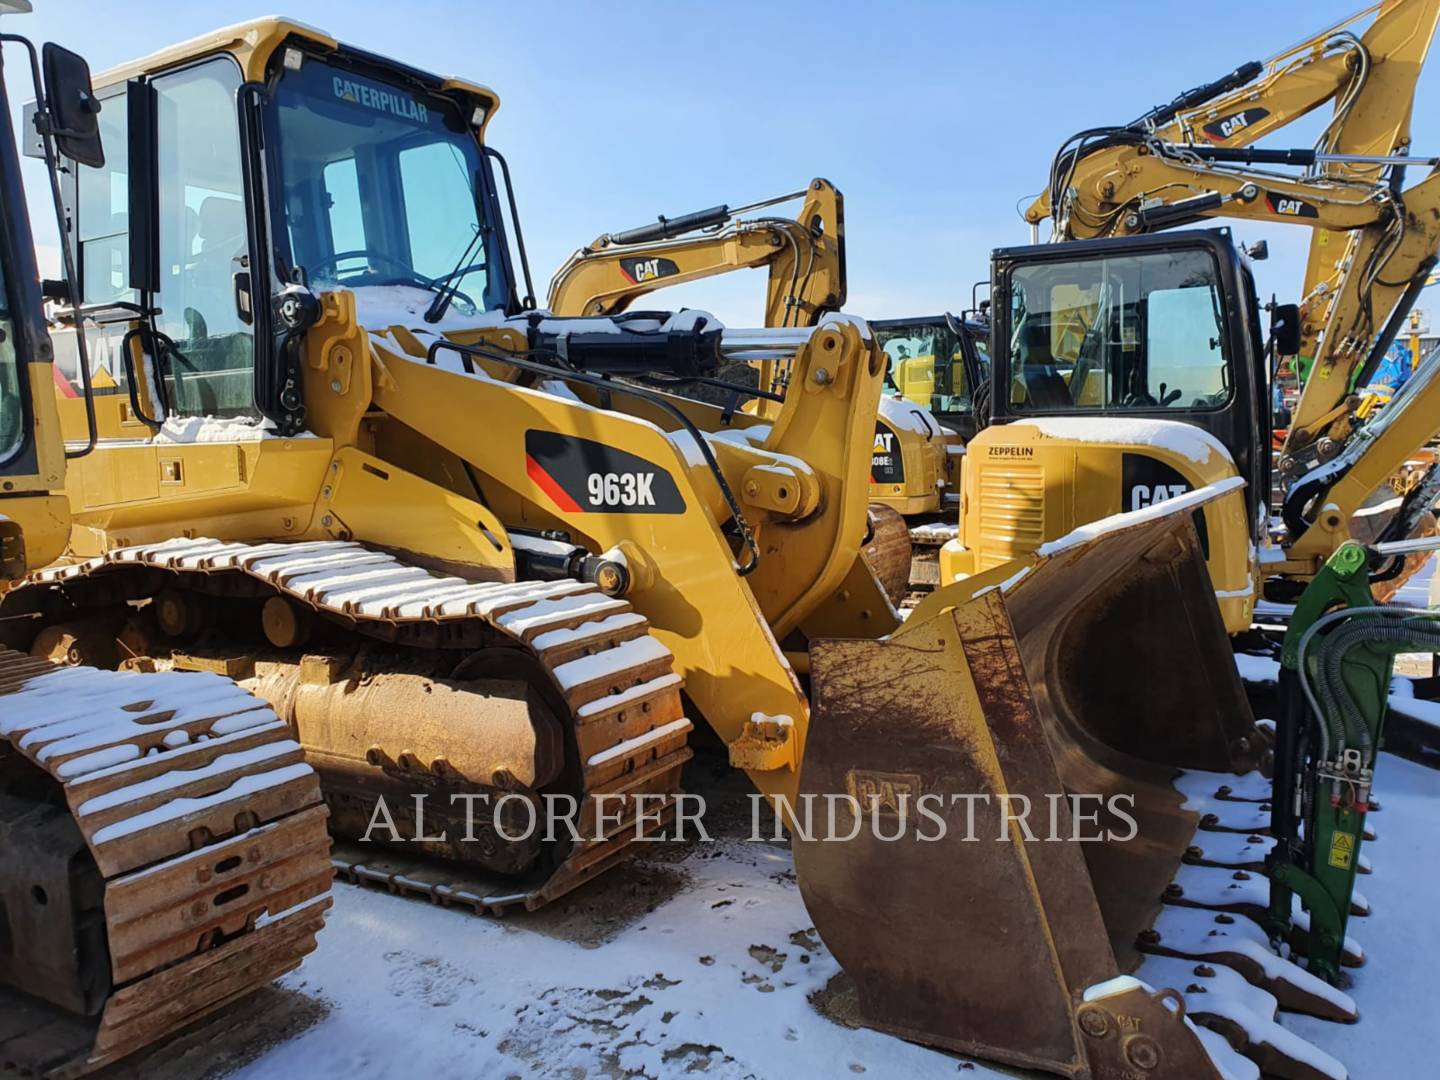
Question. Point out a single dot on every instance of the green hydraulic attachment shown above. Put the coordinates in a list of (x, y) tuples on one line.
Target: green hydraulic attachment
[(1335, 670)]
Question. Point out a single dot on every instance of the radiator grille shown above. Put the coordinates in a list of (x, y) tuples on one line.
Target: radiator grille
[(1012, 512)]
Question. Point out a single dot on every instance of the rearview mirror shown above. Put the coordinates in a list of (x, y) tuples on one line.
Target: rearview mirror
[(1285, 328), (74, 109)]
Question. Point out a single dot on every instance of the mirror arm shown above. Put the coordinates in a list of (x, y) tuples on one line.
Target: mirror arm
[(67, 257)]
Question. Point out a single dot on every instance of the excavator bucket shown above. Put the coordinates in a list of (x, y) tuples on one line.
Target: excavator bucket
[(1009, 831)]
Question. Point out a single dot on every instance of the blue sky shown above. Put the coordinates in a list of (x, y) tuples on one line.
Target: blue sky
[(935, 119)]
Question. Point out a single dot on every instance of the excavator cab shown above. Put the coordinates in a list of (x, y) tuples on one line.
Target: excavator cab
[(938, 362), (1127, 371), (1163, 326)]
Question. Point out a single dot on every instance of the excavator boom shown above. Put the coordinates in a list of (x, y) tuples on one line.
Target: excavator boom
[(1375, 242), (805, 258)]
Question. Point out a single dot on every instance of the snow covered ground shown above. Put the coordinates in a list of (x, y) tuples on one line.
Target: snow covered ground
[(716, 980)]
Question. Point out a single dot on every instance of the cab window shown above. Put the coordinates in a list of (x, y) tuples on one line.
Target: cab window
[(1137, 332), (381, 185), (203, 242), (925, 365), (12, 406), (103, 213)]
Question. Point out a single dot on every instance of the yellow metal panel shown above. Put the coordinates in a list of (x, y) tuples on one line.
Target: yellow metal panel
[(1023, 488), (230, 491), (687, 586), (371, 500), (33, 532)]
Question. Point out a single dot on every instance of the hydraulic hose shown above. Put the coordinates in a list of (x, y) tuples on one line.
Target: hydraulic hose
[(1338, 720), (1411, 635), (1327, 724)]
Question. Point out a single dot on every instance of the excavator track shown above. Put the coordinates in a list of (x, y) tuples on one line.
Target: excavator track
[(368, 699), (163, 853)]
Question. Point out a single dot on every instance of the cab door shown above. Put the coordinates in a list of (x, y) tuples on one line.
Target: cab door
[(34, 522), (164, 240)]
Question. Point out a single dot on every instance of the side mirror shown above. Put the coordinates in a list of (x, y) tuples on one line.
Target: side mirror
[(1285, 328), (74, 109)]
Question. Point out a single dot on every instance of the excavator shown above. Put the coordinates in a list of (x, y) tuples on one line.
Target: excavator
[(1375, 242), (1077, 337), (473, 561), (804, 258), (913, 460), (163, 850), (1130, 371)]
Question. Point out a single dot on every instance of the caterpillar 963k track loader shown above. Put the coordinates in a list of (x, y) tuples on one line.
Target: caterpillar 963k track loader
[(467, 555), (163, 849)]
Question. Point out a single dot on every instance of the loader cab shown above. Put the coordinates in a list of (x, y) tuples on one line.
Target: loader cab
[(1162, 326), (937, 362), (242, 181)]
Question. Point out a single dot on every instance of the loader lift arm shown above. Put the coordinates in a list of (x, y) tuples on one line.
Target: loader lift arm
[(805, 257)]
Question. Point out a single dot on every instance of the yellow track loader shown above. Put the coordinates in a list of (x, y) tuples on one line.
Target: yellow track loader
[(163, 849), (486, 574)]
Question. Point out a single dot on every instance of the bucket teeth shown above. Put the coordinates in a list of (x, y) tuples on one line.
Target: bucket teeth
[(1235, 817), (1240, 943), (1237, 804), (1247, 893), (1195, 976), (1240, 892), (1236, 851), (1250, 788), (1277, 1052)]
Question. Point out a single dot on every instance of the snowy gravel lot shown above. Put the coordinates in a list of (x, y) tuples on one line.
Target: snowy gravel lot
[(716, 980)]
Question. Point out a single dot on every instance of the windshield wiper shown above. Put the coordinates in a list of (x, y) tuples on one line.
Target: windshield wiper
[(436, 311)]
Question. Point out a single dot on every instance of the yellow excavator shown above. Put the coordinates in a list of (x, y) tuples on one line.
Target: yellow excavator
[(912, 469), (1375, 241), (804, 258), (163, 849), (476, 564), (1078, 337)]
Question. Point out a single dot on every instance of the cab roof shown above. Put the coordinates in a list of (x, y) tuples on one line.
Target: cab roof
[(253, 43)]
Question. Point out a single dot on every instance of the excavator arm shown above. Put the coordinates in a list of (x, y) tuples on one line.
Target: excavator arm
[(1374, 244), (1370, 78), (805, 257)]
